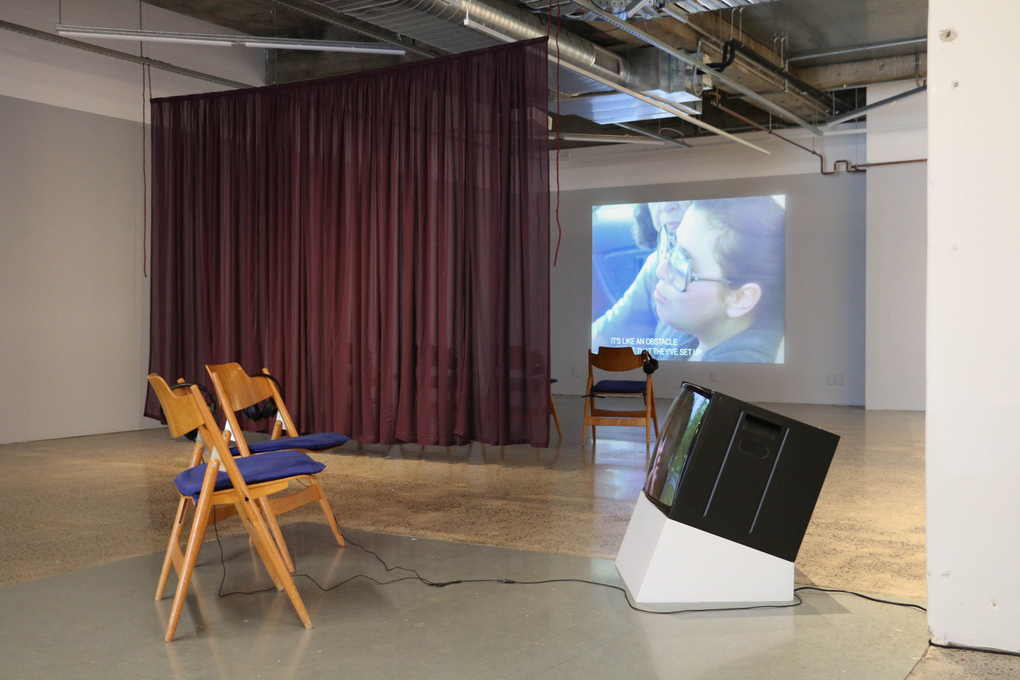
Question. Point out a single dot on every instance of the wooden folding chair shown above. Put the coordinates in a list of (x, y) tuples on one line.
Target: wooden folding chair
[(217, 495), (616, 359), (238, 391)]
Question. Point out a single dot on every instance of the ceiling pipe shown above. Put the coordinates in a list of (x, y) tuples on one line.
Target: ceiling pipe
[(726, 80), (106, 52)]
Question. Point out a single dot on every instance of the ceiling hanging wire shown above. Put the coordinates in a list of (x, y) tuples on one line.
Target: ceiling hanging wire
[(559, 136), (146, 73)]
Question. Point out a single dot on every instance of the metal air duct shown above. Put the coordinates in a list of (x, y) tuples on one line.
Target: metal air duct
[(441, 23)]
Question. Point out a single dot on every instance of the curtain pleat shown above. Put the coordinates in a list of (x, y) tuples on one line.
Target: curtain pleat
[(379, 241)]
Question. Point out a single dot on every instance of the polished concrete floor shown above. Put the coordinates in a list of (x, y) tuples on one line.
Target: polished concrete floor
[(85, 521), (108, 626)]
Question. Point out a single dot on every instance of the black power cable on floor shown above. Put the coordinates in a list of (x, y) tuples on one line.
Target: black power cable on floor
[(507, 581), (863, 596), (626, 595)]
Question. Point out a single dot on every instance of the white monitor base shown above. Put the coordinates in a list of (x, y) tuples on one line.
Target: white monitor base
[(663, 561)]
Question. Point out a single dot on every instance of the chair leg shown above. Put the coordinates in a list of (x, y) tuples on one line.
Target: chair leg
[(271, 557), (328, 512), (194, 546), (556, 418), (589, 415), (274, 529), (174, 556)]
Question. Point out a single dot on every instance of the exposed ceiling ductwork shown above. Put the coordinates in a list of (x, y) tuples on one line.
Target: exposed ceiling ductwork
[(457, 26), (636, 63)]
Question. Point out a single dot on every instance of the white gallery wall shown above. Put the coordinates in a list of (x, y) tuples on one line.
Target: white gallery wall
[(973, 404), (897, 250), (825, 269), (74, 300)]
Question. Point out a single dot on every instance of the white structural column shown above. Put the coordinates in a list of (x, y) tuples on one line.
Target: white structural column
[(973, 361)]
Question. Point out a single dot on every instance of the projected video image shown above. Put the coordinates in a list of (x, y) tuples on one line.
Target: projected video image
[(691, 280)]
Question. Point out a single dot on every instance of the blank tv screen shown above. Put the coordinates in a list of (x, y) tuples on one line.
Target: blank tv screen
[(699, 280)]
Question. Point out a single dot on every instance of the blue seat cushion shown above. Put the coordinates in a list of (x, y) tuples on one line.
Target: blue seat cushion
[(310, 442), (620, 386), (254, 469)]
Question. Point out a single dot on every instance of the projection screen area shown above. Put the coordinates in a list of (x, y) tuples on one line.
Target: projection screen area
[(700, 280)]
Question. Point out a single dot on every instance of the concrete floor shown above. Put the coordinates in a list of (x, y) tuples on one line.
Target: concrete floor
[(479, 631), (90, 512)]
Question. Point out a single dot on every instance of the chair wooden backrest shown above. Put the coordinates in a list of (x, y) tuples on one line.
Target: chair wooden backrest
[(614, 359), (238, 390), (618, 359), (188, 411)]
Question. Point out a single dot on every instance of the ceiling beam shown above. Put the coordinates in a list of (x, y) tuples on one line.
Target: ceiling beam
[(867, 72)]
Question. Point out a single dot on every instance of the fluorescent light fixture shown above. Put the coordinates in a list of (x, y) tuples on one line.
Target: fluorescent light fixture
[(607, 139), (227, 40), (148, 36), (323, 45)]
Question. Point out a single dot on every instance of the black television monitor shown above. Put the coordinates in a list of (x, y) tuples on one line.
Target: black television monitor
[(738, 471)]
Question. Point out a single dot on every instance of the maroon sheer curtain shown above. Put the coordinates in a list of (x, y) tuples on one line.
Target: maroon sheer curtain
[(379, 241)]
